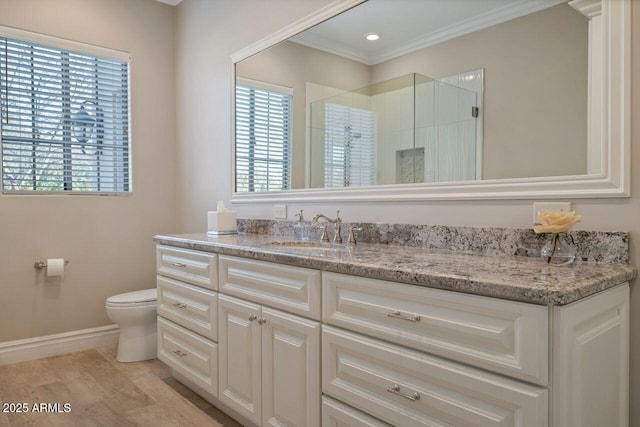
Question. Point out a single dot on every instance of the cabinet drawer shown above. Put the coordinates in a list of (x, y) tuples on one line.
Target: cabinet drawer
[(502, 336), (191, 355), (408, 388), (198, 268), (190, 306), (337, 414), (293, 289)]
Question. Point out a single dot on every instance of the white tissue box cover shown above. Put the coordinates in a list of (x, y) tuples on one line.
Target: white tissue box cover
[(221, 221)]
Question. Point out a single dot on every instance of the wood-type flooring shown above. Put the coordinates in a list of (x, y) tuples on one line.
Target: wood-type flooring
[(90, 388)]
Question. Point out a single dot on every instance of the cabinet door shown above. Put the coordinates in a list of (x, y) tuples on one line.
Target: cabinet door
[(190, 306), (337, 414), (408, 388), (195, 267), (289, 288), (507, 337), (290, 370), (239, 356), (189, 354), (591, 361)]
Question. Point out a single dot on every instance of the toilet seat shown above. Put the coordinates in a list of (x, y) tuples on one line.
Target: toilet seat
[(145, 297), (153, 304)]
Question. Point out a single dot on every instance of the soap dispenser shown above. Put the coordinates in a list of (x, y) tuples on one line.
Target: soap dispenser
[(299, 228)]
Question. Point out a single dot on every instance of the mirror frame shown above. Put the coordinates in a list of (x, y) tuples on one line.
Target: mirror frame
[(609, 118)]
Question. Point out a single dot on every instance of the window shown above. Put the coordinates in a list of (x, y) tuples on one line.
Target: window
[(263, 136), (64, 117), (349, 146)]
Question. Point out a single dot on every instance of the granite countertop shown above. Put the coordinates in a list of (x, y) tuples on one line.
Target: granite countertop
[(518, 278)]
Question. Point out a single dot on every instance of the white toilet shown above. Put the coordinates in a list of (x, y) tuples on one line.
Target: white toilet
[(135, 313)]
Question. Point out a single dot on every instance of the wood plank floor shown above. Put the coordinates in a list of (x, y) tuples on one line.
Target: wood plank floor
[(100, 391)]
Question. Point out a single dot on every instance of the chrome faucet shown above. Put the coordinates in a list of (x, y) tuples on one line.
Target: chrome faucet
[(338, 226), (352, 237)]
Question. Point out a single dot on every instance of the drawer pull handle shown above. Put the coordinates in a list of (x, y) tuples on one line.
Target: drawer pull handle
[(178, 264), (252, 317), (403, 316), (180, 353), (396, 390), (179, 305)]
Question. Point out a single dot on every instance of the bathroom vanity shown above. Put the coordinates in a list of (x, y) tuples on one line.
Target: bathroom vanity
[(287, 333)]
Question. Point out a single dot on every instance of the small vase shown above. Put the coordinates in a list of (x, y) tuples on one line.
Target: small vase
[(558, 250)]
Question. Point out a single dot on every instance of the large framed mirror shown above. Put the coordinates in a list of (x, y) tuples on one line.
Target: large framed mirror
[(473, 99)]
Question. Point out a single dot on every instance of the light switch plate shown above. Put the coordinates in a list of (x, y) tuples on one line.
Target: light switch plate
[(549, 206), (280, 211)]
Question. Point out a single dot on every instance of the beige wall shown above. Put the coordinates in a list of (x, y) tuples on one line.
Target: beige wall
[(209, 31), (108, 240)]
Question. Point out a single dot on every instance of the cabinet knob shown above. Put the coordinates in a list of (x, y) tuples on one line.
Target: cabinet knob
[(252, 317), (262, 321)]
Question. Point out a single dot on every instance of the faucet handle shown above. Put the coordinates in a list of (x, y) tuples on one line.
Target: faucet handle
[(300, 215), (325, 236), (352, 237), (337, 238), (338, 216)]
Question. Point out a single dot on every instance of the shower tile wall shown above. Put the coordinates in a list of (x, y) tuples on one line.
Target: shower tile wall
[(459, 134), (446, 128), (445, 139), (410, 166), (395, 134)]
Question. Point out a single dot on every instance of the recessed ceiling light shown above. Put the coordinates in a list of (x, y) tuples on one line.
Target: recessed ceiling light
[(372, 36)]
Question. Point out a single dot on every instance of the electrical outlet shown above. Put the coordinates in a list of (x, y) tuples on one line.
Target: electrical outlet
[(549, 206), (280, 211)]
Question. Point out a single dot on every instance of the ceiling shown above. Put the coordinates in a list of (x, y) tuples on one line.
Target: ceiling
[(408, 25)]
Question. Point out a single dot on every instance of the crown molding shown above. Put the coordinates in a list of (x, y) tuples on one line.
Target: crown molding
[(496, 16)]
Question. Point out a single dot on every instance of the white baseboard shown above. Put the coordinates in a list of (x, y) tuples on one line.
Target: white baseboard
[(54, 345)]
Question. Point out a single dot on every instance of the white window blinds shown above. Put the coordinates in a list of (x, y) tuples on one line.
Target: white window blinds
[(64, 120), (349, 146), (263, 135)]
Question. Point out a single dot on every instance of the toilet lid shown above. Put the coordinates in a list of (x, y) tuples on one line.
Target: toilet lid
[(144, 295)]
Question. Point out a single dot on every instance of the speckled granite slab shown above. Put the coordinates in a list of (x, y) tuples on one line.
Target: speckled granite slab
[(593, 246), (517, 278)]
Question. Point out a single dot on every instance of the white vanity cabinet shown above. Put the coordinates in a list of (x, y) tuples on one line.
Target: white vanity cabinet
[(394, 352), (187, 315), (269, 360), (290, 346)]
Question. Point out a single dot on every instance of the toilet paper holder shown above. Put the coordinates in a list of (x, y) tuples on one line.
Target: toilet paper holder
[(39, 265)]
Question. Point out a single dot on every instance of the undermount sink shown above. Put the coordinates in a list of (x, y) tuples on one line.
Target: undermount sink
[(305, 245)]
